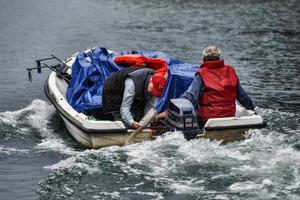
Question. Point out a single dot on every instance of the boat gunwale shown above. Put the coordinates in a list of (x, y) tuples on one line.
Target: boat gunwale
[(95, 131), (86, 130), (249, 126)]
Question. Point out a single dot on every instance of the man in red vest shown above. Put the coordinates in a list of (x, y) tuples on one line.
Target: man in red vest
[(215, 88)]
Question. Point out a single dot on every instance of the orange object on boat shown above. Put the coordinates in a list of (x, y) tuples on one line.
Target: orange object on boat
[(138, 60)]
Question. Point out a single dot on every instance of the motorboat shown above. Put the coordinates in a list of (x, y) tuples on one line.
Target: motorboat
[(95, 134)]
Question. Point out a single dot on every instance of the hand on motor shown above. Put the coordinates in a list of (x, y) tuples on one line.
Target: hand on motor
[(161, 115), (252, 112), (136, 125)]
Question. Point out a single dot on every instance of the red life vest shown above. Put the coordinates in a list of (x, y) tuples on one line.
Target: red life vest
[(220, 83)]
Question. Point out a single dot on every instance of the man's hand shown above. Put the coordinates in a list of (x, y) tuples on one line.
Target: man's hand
[(161, 115), (136, 125), (252, 112)]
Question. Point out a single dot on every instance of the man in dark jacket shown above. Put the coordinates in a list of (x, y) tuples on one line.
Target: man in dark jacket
[(131, 92), (215, 88)]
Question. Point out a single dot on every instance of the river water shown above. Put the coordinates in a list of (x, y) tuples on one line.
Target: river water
[(39, 160)]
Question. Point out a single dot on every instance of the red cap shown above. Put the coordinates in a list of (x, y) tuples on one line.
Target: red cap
[(159, 83)]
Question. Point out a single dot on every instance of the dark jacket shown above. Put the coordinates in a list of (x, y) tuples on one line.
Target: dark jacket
[(114, 89)]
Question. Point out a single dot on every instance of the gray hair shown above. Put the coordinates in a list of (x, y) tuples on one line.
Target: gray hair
[(211, 53)]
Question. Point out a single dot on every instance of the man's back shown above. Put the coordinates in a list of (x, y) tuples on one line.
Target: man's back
[(219, 95)]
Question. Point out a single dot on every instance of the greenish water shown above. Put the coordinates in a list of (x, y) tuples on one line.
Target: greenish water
[(39, 160)]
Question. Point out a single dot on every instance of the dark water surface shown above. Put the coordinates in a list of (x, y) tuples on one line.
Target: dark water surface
[(39, 160)]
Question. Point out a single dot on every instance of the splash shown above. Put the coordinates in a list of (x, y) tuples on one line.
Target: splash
[(17, 119), (31, 122)]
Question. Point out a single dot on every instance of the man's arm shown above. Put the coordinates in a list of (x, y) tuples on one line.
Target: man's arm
[(127, 101), (195, 90), (151, 103), (243, 98)]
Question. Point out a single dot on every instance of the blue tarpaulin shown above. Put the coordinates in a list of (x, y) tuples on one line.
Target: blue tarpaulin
[(91, 69)]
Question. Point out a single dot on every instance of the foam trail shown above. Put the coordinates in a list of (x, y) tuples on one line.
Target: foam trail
[(262, 164), (10, 150), (193, 167)]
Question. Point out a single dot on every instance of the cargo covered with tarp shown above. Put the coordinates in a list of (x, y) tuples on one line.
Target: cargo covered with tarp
[(91, 69)]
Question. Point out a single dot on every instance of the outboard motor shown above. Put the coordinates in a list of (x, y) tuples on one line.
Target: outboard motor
[(182, 117)]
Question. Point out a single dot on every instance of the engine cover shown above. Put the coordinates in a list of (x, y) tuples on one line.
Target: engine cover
[(182, 117)]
